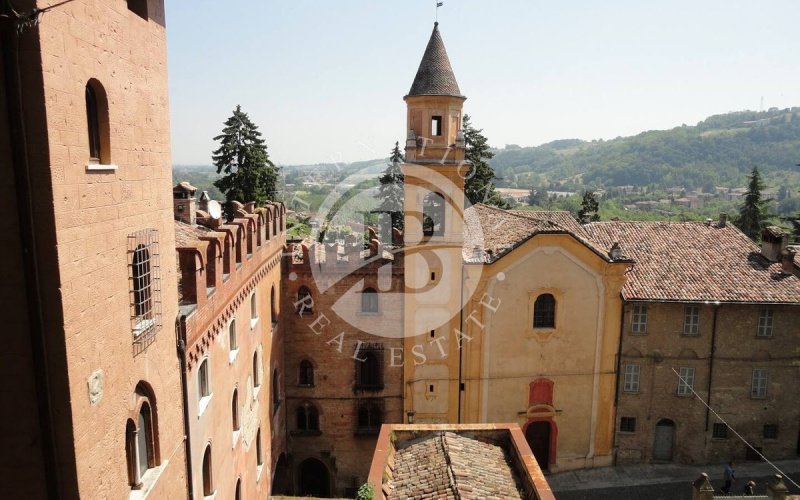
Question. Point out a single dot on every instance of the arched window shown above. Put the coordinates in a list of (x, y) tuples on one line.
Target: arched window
[(544, 311), (208, 481), (235, 411), (369, 368), (305, 303), (307, 418), (433, 215), (275, 394), (253, 307), (238, 493), (203, 382), (141, 445), (369, 300), (142, 283), (273, 305), (256, 370), (370, 417), (97, 125), (259, 456), (306, 375), (233, 341)]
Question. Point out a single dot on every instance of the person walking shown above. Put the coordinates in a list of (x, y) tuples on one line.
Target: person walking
[(729, 476)]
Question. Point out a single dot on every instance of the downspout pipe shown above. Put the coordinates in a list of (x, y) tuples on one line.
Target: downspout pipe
[(27, 233), (180, 330), (460, 349), (711, 362), (617, 382)]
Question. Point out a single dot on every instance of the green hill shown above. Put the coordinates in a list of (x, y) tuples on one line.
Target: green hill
[(718, 151)]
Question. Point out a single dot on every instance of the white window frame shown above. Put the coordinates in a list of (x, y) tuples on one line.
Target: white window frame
[(691, 321), (765, 323), (686, 381), (204, 397), (758, 383), (631, 378), (639, 319), (233, 340)]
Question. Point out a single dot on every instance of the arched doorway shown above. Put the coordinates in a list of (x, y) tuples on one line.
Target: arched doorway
[(538, 436), (280, 480), (314, 479), (664, 438)]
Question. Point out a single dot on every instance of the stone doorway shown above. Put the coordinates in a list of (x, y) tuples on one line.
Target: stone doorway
[(314, 479), (664, 439)]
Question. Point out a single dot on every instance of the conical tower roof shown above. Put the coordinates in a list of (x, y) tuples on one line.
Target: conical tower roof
[(435, 75)]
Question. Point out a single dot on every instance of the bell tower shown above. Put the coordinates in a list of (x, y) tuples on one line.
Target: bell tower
[(433, 236)]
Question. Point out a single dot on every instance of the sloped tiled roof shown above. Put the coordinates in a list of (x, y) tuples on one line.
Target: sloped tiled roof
[(695, 261), (447, 465), (498, 231), (435, 75), (187, 235)]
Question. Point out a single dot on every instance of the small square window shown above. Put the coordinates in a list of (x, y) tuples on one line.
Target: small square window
[(720, 431), (627, 424), (770, 431)]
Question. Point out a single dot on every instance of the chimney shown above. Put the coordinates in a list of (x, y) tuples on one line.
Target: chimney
[(477, 253), (787, 260), (184, 204), (723, 219), (616, 251), (773, 241), (204, 199)]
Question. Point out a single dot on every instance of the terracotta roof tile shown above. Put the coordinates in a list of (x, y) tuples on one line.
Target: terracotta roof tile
[(694, 262), (435, 75), (448, 465)]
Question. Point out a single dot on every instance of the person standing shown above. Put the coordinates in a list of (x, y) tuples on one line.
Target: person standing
[(729, 476)]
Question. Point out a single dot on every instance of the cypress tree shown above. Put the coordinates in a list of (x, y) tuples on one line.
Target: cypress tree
[(242, 156), (590, 208)]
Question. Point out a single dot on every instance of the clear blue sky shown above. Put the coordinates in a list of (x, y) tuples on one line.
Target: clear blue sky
[(324, 80)]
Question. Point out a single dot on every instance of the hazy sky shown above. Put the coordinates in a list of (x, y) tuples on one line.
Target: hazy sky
[(324, 80)]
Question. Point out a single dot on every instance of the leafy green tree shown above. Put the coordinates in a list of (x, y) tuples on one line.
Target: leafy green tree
[(753, 212), (242, 156), (390, 191), (479, 187), (590, 208)]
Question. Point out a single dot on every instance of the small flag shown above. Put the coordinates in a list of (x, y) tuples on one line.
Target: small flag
[(439, 4)]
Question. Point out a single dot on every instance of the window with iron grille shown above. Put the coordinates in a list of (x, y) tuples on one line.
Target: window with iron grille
[(631, 383), (758, 388), (720, 431), (765, 323), (639, 319), (627, 424), (691, 320), (369, 367), (770, 431), (544, 311), (144, 273), (370, 416), (686, 381)]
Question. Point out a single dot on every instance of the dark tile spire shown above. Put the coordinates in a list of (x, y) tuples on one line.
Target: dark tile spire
[(435, 76)]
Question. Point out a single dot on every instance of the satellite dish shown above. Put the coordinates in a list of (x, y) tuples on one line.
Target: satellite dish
[(214, 209)]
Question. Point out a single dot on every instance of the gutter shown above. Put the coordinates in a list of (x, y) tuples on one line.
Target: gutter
[(27, 233), (180, 330)]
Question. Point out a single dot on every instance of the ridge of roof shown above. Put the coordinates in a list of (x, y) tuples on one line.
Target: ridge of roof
[(435, 74)]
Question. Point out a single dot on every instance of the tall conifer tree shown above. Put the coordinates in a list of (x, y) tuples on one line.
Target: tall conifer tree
[(479, 187), (753, 213), (390, 191), (590, 208), (242, 156)]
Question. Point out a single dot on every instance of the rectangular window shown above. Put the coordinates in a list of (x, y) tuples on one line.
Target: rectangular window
[(144, 276), (691, 320), (765, 323), (369, 367), (639, 319), (720, 431), (686, 381), (203, 387), (436, 126), (631, 383), (770, 431), (759, 384), (627, 424)]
